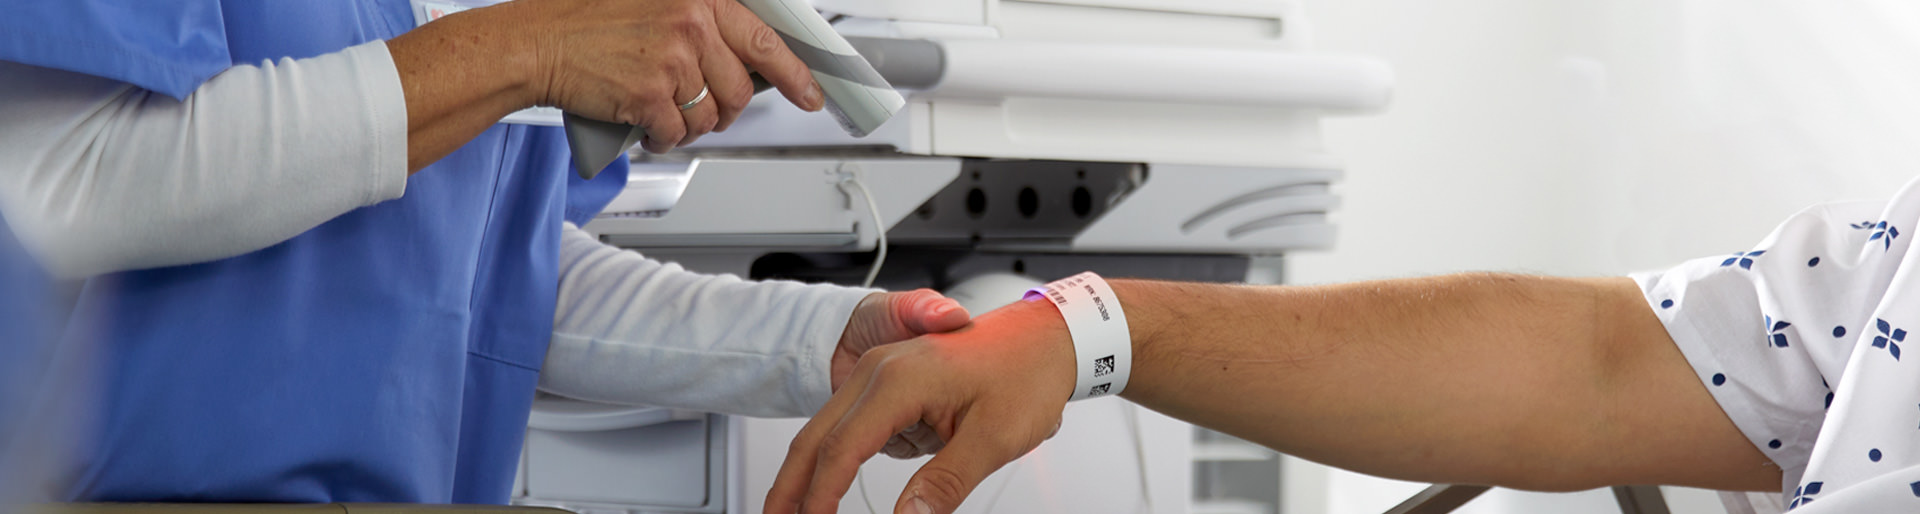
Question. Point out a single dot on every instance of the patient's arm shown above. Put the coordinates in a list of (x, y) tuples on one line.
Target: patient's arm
[(1528, 382)]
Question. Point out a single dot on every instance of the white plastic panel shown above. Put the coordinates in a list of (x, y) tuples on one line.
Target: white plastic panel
[(1108, 131), (1240, 75), (938, 11), (1219, 209), (977, 11), (1251, 8), (796, 202), (1080, 23), (659, 465), (557, 414), (771, 122)]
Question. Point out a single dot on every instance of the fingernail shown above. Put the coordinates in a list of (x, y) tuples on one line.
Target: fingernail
[(816, 98), (943, 309), (921, 506)]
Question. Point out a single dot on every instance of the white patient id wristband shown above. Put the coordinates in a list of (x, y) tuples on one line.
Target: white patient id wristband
[(1102, 345)]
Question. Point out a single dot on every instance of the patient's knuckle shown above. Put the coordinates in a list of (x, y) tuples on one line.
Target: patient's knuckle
[(801, 443), (893, 370), (942, 482), (883, 356), (833, 447), (886, 377)]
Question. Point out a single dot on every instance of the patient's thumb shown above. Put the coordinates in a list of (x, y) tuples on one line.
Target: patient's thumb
[(944, 482)]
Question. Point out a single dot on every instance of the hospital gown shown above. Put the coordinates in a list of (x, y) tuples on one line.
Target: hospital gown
[(1810, 341)]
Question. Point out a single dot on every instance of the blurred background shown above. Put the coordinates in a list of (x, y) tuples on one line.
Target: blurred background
[(1558, 137), (1587, 137)]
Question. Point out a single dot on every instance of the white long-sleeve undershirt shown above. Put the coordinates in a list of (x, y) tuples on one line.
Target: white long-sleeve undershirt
[(632, 330), (98, 175)]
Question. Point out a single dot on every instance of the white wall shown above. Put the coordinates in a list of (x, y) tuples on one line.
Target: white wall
[(1587, 137)]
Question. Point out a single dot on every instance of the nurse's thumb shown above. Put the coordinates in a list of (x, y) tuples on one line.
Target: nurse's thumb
[(925, 311)]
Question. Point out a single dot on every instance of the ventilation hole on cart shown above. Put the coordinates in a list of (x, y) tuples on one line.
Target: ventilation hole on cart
[(976, 176), (925, 212), (1082, 202), (976, 203), (1029, 202), (1019, 266), (1080, 173)]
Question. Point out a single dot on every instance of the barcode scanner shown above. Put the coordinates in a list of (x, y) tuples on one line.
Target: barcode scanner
[(856, 95)]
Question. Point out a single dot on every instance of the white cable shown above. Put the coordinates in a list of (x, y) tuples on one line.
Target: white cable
[(1013, 471), (879, 259), (860, 477), (1132, 412), (879, 227)]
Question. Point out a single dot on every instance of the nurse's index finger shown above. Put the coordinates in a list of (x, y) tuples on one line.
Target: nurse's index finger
[(763, 50)]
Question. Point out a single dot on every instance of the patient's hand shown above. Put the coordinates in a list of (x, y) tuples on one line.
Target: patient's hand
[(993, 390)]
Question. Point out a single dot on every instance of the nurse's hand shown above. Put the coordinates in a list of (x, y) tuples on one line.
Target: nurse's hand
[(630, 61), (993, 391), (887, 318), (637, 61)]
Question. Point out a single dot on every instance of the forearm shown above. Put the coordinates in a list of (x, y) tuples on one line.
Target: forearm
[(110, 177), (1528, 382), (632, 330), (1536, 383), (103, 176), (462, 74)]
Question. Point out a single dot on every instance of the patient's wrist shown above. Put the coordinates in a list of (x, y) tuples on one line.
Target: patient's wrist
[(1046, 347), (1097, 325)]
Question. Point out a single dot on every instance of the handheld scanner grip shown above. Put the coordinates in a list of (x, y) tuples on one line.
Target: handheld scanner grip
[(857, 96)]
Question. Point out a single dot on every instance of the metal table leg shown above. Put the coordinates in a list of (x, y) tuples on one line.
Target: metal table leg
[(1640, 499), (1439, 499), (1442, 499)]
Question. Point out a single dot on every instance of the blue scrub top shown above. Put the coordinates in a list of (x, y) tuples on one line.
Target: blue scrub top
[(389, 355), (25, 327)]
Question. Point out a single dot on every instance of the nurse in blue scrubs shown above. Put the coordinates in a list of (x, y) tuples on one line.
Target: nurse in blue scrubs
[(24, 349), (390, 354)]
